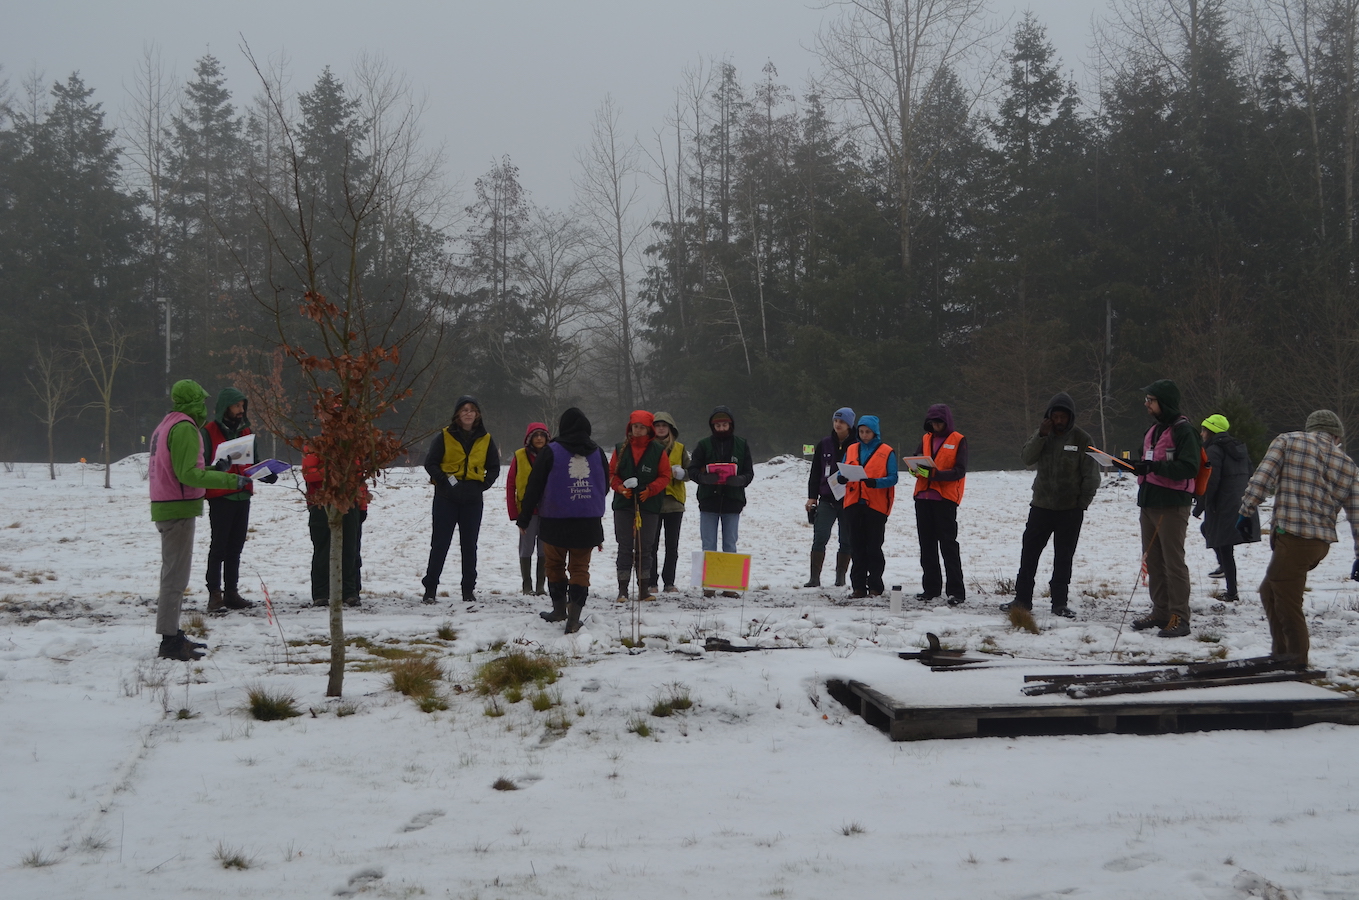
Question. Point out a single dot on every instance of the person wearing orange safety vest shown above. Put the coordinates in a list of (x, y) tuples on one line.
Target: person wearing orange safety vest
[(521, 464), (867, 504), (938, 492)]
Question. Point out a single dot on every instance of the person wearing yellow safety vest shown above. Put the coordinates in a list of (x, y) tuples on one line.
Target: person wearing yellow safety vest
[(867, 504), (938, 492), (463, 462), (672, 503), (521, 464)]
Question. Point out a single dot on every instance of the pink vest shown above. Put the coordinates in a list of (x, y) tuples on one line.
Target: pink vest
[(160, 471), (1164, 444)]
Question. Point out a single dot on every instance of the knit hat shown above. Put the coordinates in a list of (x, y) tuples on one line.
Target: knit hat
[(843, 414), (1216, 423), (1327, 421)]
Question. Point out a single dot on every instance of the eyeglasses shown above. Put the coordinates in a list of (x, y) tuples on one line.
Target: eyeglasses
[(1150, 399)]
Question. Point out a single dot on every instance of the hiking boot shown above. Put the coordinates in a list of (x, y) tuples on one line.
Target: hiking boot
[(1015, 604), (177, 647), (194, 644), (841, 568), (858, 594), (670, 589), (1217, 573), (1229, 598), (429, 598), (469, 597), (709, 594), (235, 601), (526, 570), (1176, 627), (923, 597), (320, 601), (216, 604), (351, 601), (732, 594), (1065, 612), (1150, 620), (818, 559), (955, 600), (557, 591)]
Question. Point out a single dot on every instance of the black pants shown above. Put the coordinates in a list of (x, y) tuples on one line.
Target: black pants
[(867, 531), (1226, 558), (466, 518), (936, 521), (1063, 526), (670, 525), (351, 559), (230, 522)]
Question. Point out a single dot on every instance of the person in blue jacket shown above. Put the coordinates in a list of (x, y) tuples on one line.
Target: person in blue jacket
[(868, 503)]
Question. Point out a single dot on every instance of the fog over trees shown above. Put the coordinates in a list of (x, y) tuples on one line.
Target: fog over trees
[(942, 213)]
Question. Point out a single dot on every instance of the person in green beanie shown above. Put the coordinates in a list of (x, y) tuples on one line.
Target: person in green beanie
[(1312, 479), (179, 481), (1166, 474), (1230, 471)]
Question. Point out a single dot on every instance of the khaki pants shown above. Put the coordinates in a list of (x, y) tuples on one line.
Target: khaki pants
[(567, 564), (176, 559), (1163, 530), (1281, 591)]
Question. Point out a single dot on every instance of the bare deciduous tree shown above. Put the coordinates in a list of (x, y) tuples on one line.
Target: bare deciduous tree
[(54, 380), (103, 351), (146, 121)]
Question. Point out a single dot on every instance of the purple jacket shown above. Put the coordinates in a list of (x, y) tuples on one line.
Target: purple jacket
[(829, 453)]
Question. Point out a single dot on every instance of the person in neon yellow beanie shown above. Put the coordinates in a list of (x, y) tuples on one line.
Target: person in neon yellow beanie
[(1231, 468)]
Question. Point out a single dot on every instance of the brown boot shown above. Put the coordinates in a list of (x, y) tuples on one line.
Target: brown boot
[(841, 567), (215, 602), (526, 570), (540, 579), (235, 601), (818, 560)]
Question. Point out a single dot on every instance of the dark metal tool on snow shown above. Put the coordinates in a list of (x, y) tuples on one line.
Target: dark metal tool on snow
[(936, 655)]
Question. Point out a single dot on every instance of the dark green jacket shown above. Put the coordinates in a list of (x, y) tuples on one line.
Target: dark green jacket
[(1186, 451), (1067, 475), (644, 471)]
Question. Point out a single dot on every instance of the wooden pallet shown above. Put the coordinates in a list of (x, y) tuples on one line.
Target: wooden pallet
[(1134, 716)]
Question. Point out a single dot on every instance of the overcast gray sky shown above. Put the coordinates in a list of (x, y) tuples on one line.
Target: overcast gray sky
[(501, 77)]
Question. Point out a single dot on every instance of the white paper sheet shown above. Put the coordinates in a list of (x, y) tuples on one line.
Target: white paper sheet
[(245, 446), (837, 489), (853, 473)]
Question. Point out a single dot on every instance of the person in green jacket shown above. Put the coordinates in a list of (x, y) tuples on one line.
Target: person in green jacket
[(1166, 472), (179, 481)]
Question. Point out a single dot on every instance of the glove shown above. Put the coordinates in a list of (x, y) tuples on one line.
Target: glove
[(270, 478), (678, 473), (920, 473), (1245, 527), (222, 464), (626, 492), (242, 482), (1198, 511), (1354, 572), (869, 482), (841, 479), (630, 483), (1141, 467)]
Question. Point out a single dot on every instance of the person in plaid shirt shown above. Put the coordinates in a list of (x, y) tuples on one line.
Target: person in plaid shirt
[(1313, 479)]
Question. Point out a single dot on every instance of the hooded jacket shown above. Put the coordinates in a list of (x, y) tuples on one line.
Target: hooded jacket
[(1067, 475), (184, 444), (573, 436), (672, 501), (1226, 485), (1184, 464), (886, 483), (729, 497), (521, 464), (957, 472), (220, 430), (465, 491)]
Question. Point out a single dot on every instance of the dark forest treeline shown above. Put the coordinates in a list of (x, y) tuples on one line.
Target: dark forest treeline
[(868, 242)]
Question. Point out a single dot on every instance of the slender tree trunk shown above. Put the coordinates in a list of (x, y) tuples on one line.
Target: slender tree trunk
[(335, 684), (108, 426), (51, 456)]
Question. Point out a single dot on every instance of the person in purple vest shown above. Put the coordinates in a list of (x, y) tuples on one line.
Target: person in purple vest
[(1165, 477), (569, 488), (821, 502), (179, 482)]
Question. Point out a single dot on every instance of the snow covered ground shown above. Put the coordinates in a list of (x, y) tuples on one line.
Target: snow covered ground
[(765, 788)]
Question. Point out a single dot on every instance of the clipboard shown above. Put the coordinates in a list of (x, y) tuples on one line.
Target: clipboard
[(1108, 460), (241, 450), (918, 462)]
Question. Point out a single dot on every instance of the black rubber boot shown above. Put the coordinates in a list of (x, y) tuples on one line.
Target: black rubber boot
[(575, 603), (818, 560), (557, 591), (841, 567), (526, 570), (540, 579)]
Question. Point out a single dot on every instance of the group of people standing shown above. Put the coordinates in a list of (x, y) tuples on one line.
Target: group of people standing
[(558, 493)]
